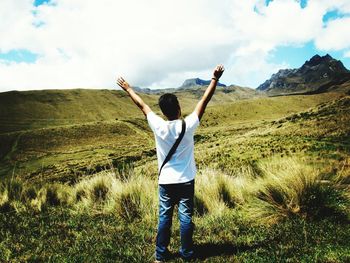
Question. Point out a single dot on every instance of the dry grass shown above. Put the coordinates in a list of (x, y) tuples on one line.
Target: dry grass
[(217, 191), (131, 200), (289, 187), (275, 189)]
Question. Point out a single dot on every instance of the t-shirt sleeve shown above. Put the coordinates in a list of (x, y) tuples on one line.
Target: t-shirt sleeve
[(154, 121), (192, 121)]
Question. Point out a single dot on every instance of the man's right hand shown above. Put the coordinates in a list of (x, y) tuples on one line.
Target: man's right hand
[(202, 104)]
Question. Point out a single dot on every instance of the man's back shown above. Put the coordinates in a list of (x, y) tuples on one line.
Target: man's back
[(181, 167)]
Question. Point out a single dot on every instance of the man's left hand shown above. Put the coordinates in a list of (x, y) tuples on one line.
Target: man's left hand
[(123, 84)]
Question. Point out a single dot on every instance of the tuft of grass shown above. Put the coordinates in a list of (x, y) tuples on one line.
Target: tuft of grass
[(58, 194), (129, 205), (343, 174), (130, 200), (217, 191), (267, 192), (96, 191), (138, 199), (39, 202), (14, 188), (4, 201), (290, 187), (11, 192)]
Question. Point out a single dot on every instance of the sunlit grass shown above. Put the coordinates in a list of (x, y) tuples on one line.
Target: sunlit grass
[(284, 187), (264, 190)]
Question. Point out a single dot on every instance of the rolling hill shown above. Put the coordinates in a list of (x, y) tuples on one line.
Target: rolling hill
[(45, 108), (66, 152)]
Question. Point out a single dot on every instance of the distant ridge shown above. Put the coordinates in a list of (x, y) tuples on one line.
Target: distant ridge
[(188, 84), (199, 82), (319, 74)]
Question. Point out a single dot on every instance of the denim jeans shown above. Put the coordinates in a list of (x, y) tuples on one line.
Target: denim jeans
[(170, 195)]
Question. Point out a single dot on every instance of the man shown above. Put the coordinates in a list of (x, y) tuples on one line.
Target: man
[(176, 178)]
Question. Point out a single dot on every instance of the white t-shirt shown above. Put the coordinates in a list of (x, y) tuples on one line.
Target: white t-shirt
[(181, 168)]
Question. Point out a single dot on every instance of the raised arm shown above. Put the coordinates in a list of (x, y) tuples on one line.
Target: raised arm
[(136, 98), (202, 104)]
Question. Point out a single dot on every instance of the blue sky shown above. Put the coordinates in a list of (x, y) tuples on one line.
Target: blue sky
[(40, 2), (70, 44), (295, 56), (19, 55)]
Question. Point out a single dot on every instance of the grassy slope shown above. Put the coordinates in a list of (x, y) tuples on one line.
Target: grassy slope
[(40, 109), (71, 150), (37, 109), (247, 132)]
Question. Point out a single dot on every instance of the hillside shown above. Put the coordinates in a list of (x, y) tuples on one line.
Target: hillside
[(317, 75), (272, 185), (38, 109), (67, 152), (78, 176)]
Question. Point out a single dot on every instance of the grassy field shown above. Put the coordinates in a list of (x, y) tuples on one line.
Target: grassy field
[(272, 185)]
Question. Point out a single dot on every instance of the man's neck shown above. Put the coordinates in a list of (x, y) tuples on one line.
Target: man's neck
[(173, 119)]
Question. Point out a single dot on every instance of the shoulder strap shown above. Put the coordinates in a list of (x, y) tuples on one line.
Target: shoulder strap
[(173, 149)]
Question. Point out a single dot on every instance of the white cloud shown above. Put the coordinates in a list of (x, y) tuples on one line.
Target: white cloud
[(347, 54), (335, 36), (154, 43)]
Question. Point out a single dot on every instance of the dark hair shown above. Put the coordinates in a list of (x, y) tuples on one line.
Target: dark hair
[(169, 105)]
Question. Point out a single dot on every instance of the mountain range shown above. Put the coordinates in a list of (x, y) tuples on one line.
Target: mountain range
[(188, 84), (317, 75), (198, 82)]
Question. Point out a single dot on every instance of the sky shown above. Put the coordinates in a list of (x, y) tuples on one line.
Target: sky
[(60, 44)]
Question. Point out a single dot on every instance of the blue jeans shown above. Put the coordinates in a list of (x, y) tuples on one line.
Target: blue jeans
[(170, 195)]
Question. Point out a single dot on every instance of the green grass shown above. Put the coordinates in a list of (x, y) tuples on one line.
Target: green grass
[(67, 233), (281, 208), (272, 186), (62, 153), (66, 237)]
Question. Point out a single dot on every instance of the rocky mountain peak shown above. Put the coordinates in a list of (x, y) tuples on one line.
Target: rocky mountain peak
[(314, 73), (198, 82), (325, 60)]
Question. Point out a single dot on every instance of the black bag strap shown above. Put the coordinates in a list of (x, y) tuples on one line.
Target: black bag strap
[(173, 149)]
